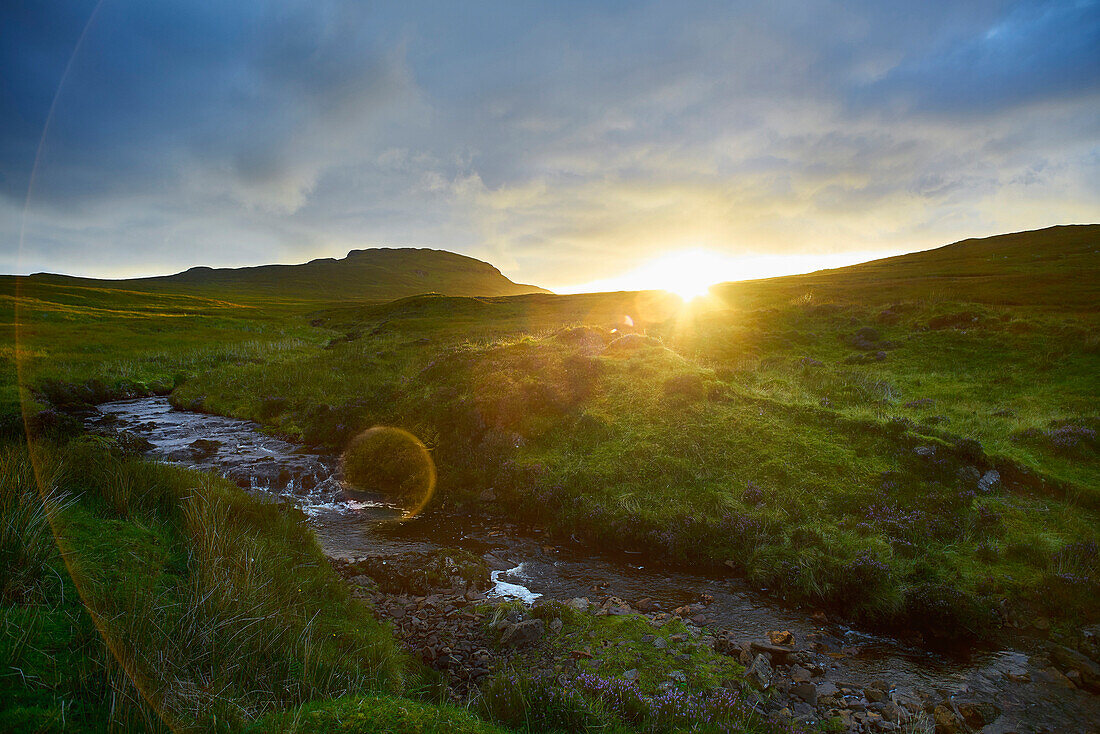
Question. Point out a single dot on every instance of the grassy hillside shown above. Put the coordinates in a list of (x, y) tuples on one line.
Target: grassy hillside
[(837, 445), (911, 443), (142, 597), (379, 274), (1053, 268)]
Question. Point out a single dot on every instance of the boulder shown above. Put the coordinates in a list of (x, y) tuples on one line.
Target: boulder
[(777, 654), (1072, 661), (977, 715), (520, 634), (946, 720), (806, 691)]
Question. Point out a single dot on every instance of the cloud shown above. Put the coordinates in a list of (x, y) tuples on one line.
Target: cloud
[(564, 142)]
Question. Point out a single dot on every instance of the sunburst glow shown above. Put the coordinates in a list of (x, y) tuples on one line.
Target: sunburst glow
[(690, 273)]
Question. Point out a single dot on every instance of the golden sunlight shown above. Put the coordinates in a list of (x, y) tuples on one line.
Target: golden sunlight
[(690, 273)]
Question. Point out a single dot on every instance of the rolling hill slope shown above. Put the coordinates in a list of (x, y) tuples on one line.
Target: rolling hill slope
[(379, 274), (1056, 267)]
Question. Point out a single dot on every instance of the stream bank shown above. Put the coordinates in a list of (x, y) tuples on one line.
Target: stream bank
[(821, 670)]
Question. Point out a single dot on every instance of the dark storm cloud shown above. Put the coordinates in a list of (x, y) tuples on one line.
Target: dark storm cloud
[(1034, 53), (547, 137)]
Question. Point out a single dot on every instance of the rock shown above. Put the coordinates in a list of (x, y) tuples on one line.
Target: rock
[(759, 673), (204, 447), (777, 654), (800, 674), (580, 654), (781, 638), (990, 481), (523, 633), (1073, 661), (875, 695), (631, 675), (645, 605), (806, 691), (1053, 675), (556, 624), (660, 643), (487, 496), (827, 689), (977, 715), (946, 720), (678, 676), (579, 604)]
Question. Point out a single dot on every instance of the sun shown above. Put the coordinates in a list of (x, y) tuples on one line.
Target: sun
[(689, 274)]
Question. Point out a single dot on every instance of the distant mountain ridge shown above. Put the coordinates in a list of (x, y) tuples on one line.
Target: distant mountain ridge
[(372, 274)]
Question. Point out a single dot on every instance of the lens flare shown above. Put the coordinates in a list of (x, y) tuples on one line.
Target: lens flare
[(392, 462)]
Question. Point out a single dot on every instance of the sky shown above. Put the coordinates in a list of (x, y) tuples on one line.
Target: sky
[(568, 143)]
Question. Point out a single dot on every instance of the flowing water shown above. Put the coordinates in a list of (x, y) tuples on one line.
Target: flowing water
[(527, 564)]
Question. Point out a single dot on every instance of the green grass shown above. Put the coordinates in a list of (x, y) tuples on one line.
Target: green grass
[(357, 715), (769, 435), (821, 432), (175, 601)]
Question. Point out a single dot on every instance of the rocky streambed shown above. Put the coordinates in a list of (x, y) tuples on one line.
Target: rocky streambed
[(469, 595)]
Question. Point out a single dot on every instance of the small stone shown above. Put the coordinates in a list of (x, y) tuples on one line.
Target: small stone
[(556, 624), (781, 637), (678, 676), (631, 675), (990, 481), (660, 643)]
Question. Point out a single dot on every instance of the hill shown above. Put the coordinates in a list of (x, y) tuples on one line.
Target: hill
[(1056, 267), (379, 274), (889, 439)]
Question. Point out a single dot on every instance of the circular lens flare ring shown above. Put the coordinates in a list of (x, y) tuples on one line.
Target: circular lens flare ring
[(391, 461)]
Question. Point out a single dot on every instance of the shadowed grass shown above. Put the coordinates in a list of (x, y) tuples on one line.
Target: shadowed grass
[(215, 608)]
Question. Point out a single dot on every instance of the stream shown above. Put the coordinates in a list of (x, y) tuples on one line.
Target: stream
[(527, 564)]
